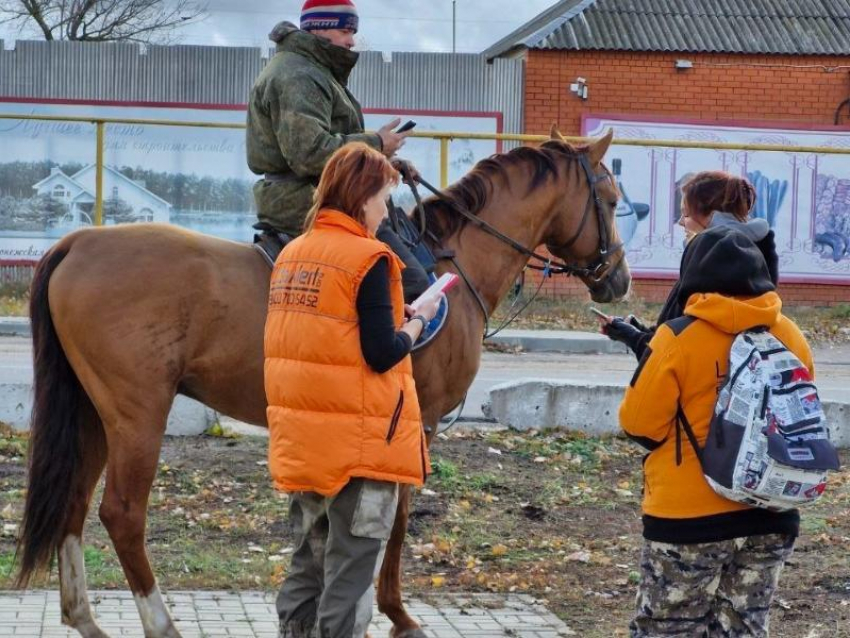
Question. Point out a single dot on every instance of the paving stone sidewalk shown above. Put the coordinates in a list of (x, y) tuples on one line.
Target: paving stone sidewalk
[(252, 615)]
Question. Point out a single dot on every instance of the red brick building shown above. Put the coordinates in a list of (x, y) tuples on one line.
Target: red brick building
[(698, 60)]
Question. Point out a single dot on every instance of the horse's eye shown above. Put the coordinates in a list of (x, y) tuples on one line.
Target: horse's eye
[(613, 203)]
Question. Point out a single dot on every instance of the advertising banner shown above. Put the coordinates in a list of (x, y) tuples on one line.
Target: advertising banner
[(804, 196), (193, 177)]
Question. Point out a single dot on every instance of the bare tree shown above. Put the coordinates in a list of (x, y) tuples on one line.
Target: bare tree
[(103, 20)]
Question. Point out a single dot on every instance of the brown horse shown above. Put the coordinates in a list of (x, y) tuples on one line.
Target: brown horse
[(125, 318)]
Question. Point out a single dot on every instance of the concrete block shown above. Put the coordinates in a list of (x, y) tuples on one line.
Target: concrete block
[(16, 405), (187, 417), (838, 417), (535, 404), (15, 327)]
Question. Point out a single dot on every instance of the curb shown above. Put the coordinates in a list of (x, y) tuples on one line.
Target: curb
[(561, 341)]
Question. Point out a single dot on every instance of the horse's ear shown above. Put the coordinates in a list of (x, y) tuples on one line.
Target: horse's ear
[(599, 148), (555, 134)]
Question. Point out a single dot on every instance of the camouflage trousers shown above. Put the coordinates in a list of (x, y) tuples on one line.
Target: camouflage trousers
[(709, 590), (340, 543)]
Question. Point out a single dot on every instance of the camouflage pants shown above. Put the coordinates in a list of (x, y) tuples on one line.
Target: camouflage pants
[(340, 542), (709, 590)]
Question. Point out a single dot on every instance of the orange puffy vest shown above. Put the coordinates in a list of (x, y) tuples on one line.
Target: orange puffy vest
[(331, 417)]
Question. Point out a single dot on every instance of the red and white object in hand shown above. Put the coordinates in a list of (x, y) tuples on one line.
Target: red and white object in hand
[(440, 287)]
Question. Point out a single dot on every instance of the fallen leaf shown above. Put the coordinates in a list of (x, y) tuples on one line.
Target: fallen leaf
[(582, 556)]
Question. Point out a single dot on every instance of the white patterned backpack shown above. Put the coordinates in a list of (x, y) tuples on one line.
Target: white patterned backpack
[(768, 443)]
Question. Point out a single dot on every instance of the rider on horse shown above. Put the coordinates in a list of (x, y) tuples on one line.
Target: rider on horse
[(301, 111)]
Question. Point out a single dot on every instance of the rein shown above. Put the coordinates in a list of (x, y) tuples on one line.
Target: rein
[(549, 267)]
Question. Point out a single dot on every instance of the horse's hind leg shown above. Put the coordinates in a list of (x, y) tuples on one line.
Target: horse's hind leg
[(134, 447), (389, 582), (76, 610)]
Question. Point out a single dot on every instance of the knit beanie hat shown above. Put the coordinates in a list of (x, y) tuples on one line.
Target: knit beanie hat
[(317, 15)]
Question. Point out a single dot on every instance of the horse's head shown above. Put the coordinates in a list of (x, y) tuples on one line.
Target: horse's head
[(583, 231)]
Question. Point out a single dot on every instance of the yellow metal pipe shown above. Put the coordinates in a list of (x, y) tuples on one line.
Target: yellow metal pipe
[(444, 162), (98, 200), (451, 135)]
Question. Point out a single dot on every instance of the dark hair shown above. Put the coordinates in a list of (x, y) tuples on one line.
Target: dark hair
[(711, 191), (352, 176)]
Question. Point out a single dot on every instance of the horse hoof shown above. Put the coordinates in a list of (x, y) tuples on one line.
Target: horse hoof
[(87, 629), (409, 633)]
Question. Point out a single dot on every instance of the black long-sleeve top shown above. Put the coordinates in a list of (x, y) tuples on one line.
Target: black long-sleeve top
[(382, 346)]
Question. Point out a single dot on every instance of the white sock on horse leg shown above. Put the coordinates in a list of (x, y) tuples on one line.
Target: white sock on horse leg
[(156, 619), (76, 610)]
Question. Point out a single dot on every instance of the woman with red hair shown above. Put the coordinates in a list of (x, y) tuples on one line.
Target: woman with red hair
[(344, 420)]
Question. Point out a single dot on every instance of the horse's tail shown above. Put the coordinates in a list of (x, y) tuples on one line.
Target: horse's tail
[(57, 432)]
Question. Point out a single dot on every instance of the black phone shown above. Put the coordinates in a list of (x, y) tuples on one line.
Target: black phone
[(407, 126)]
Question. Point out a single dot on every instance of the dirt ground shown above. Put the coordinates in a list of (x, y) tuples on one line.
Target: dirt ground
[(821, 325), (553, 515)]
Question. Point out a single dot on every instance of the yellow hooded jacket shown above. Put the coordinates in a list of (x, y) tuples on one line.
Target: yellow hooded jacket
[(686, 364)]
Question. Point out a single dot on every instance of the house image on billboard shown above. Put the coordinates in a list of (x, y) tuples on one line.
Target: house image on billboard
[(77, 191)]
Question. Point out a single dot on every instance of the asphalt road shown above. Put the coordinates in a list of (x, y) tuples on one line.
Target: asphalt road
[(833, 370)]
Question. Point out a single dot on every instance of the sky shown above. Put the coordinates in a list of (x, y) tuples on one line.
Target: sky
[(386, 25)]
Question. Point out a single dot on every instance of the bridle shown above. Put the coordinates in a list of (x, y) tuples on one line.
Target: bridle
[(597, 271), (601, 266)]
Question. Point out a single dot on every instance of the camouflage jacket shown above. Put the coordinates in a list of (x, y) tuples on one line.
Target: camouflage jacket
[(300, 112)]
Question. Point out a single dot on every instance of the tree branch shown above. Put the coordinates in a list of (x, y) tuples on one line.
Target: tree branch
[(103, 20)]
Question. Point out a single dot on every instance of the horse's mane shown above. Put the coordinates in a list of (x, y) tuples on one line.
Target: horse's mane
[(474, 190)]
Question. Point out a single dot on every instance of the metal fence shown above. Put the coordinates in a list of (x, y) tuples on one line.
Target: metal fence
[(19, 272), (125, 72), (444, 138)]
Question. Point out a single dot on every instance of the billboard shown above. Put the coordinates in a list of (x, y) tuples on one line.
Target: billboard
[(194, 177), (804, 196)]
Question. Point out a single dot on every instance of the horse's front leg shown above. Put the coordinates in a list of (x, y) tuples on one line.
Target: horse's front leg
[(389, 584)]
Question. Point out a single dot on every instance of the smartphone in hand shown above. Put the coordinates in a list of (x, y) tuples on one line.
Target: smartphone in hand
[(600, 314)]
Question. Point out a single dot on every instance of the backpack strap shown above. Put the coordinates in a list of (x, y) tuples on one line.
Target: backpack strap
[(682, 423)]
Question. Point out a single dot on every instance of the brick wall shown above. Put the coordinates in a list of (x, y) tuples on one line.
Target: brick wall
[(648, 84), (719, 87)]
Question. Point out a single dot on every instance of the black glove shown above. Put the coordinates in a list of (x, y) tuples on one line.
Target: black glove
[(637, 323), (621, 330)]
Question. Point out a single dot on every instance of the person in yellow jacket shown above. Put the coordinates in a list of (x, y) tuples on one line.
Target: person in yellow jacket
[(344, 420), (709, 566)]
